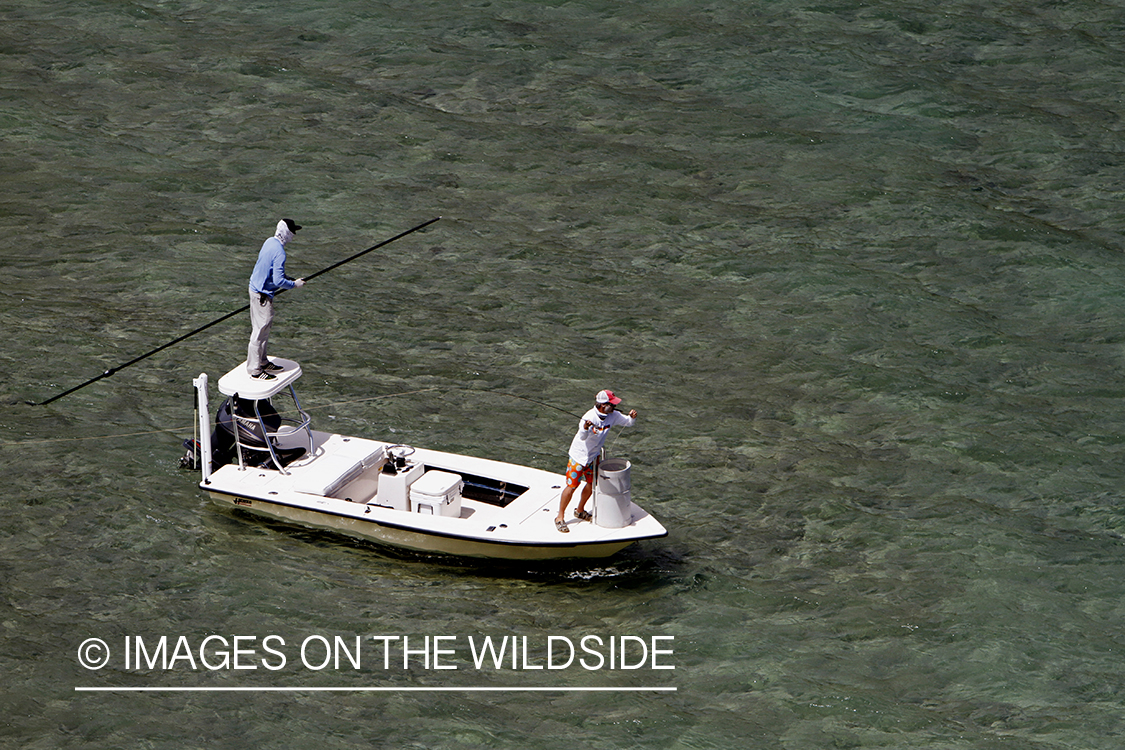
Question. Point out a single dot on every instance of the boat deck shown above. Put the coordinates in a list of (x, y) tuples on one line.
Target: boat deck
[(336, 487)]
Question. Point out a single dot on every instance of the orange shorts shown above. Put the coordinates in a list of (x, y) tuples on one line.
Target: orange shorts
[(576, 474)]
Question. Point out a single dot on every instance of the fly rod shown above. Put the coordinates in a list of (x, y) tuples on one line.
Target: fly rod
[(228, 316)]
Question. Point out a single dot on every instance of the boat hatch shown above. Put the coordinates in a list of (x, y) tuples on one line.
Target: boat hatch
[(490, 491)]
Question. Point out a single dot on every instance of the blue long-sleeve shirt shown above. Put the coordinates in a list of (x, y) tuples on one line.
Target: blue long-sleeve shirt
[(269, 272)]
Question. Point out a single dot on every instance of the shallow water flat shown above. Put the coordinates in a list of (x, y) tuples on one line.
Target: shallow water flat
[(857, 266)]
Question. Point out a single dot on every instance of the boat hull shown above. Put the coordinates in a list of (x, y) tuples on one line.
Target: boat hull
[(417, 540), (411, 498), (519, 526)]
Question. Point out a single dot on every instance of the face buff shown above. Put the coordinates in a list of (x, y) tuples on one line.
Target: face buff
[(283, 234)]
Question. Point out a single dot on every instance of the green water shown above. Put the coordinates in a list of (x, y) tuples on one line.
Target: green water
[(857, 267)]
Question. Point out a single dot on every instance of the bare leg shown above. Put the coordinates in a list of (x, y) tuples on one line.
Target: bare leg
[(564, 500), (586, 492)]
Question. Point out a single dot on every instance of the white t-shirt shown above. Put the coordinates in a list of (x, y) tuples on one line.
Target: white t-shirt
[(587, 444)]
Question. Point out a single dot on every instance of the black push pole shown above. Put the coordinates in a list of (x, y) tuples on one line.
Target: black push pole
[(322, 271), (228, 316)]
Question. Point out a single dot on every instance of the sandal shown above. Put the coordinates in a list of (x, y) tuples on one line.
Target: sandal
[(583, 515), (561, 525)]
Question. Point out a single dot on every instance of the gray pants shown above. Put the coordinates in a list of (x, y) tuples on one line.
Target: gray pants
[(261, 320)]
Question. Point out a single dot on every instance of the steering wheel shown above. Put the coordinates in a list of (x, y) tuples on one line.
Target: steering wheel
[(401, 451)]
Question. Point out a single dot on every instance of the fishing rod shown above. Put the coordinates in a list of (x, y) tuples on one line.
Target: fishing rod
[(228, 316)]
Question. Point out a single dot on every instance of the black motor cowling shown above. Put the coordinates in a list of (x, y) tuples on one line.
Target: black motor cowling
[(254, 447)]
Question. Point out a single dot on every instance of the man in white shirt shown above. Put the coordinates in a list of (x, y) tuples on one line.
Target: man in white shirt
[(584, 451)]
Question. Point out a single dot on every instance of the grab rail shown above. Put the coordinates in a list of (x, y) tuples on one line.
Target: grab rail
[(269, 437)]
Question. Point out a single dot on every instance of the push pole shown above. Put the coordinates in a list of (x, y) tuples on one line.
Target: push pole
[(228, 316)]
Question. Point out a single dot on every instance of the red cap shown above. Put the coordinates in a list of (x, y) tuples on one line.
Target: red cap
[(607, 397)]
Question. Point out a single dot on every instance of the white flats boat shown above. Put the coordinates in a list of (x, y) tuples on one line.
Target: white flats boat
[(423, 500)]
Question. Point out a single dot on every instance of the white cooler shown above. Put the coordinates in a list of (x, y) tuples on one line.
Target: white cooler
[(437, 493)]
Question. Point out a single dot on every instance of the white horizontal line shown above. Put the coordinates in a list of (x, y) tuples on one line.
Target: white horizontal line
[(371, 689)]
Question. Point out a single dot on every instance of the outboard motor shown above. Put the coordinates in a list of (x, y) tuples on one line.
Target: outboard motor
[(255, 450)]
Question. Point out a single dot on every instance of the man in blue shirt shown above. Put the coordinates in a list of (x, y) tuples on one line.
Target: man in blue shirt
[(267, 280)]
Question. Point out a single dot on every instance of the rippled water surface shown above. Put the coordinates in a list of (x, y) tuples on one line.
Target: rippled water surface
[(857, 266)]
